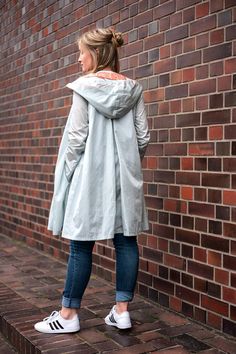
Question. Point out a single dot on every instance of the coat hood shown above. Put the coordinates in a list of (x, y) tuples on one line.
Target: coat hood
[(112, 98)]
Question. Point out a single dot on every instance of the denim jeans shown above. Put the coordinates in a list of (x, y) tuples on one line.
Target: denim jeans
[(80, 266)]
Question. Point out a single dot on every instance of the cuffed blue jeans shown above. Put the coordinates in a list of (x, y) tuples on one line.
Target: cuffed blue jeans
[(80, 266)]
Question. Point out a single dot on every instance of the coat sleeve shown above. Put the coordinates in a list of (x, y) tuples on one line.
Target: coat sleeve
[(77, 134), (141, 126)]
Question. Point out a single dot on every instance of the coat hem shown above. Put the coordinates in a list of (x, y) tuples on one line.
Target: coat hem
[(100, 238)]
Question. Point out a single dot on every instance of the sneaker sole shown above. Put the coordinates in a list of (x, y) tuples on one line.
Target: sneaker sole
[(62, 331), (109, 323)]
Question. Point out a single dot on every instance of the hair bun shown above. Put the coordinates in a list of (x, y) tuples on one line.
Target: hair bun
[(118, 38)]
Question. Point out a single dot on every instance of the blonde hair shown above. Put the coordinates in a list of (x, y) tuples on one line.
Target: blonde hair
[(102, 44)]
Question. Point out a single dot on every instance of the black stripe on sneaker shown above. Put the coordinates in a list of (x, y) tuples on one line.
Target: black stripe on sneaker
[(50, 324), (58, 323), (112, 319), (55, 325)]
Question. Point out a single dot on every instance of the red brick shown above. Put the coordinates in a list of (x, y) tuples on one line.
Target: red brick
[(216, 101), (230, 99), (229, 3), (230, 131), (232, 279), (202, 103), (176, 48), (224, 83), (154, 95), (187, 193), (215, 227), (216, 68), (143, 18), (201, 270), (176, 33), (200, 254), (222, 276), (175, 304), (229, 164), (229, 262), (215, 305), (217, 52), (188, 178), (175, 106), (187, 295), (216, 5), (202, 87), (188, 59), (229, 197), (175, 205), (214, 243), (165, 65), (187, 163), (230, 32), (216, 180), (188, 74), (165, 51), (233, 312), (176, 77), (229, 229), (229, 295), (202, 10), (154, 41), (202, 72), (164, 23), (163, 108), (177, 91), (187, 236), (133, 48), (175, 135), (214, 258), (163, 285), (174, 262), (189, 45), (217, 36), (186, 120), (202, 25), (216, 133), (230, 66), (164, 9), (202, 40), (216, 117), (201, 149), (200, 209), (214, 321), (189, 14), (185, 3)]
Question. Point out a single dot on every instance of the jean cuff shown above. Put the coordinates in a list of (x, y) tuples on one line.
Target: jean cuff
[(70, 303), (124, 296)]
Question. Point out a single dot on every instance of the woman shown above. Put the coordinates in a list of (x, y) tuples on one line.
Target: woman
[(98, 191)]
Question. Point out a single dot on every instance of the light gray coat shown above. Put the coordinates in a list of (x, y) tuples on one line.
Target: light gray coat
[(98, 189)]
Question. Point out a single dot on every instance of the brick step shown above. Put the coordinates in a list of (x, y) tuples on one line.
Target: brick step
[(5, 346), (30, 289), (17, 318)]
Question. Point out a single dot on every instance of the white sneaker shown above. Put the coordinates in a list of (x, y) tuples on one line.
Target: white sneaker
[(55, 323), (121, 321)]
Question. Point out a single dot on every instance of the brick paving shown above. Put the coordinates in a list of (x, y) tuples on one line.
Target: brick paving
[(5, 347), (30, 288)]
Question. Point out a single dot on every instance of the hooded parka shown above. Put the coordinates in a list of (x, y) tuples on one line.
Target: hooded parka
[(98, 187)]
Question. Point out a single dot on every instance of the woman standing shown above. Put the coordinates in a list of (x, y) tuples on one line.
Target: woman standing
[(98, 190)]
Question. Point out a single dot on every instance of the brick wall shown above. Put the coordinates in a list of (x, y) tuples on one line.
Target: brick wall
[(183, 53)]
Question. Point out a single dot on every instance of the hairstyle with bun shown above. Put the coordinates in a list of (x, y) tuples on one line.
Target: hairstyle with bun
[(102, 44)]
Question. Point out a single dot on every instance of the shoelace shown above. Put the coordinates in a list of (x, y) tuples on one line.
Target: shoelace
[(51, 316)]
